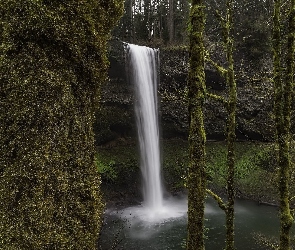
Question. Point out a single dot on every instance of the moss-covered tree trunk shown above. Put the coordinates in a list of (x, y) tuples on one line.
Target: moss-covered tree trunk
[(52, 61), (230, 104), (197, 137), (283, 85), (231, 129)]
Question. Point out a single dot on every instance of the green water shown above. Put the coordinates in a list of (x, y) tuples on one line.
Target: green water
[(251, 218)]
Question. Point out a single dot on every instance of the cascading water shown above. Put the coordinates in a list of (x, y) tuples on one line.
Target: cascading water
[(143, 63), (143, 70)]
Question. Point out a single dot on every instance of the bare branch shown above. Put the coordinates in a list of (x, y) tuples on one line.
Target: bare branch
[(222, 71), (216, 197), (218, 98), (220, 18)]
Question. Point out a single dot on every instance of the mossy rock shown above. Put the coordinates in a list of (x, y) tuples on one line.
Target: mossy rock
[(52, 63)]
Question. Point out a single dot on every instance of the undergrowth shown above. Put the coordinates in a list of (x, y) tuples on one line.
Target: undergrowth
[(255, 167)]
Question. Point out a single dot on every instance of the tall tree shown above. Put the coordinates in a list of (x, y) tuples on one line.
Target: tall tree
[(230, 104), (127, 20), (147, 19), (197, 136), (231, 127), (171, 21), (52, 62), (159, 21), (283, 86), (181, 15)]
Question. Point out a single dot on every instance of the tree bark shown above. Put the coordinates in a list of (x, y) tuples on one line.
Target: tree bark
[(197, 136), (171, 21), (53, 60), (231, 126), (283, 86)]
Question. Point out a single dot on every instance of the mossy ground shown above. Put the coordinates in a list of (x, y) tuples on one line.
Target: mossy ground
[(256, 173)]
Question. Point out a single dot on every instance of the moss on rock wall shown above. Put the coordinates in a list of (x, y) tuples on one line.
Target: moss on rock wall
[(115, 118), (52, 62)]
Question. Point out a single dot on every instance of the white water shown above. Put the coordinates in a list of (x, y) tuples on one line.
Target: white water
[(143, 63)]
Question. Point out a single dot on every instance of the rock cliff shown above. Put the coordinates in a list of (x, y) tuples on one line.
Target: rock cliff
[(115, 117)]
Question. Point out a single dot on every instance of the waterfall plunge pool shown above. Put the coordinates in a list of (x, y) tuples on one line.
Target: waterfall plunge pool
[(161, 223), (129, 230)]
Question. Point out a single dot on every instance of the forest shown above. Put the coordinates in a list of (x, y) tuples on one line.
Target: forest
[(207, 164)]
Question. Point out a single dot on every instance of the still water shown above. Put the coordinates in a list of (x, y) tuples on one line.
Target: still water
[(127, 232)]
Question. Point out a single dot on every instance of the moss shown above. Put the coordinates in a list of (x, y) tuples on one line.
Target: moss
[(53, 60), (254, 162), (229, 103), (175, 161), (256, 174), (283, 86), (118, 164), (175, 48), (196, 181)]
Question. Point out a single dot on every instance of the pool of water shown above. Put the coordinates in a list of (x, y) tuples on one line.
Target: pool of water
[(127, 231)]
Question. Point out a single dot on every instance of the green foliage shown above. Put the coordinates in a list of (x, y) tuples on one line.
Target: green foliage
[(250, 157), (175, 161), (52, 62), (107, 171), (120, 163), (256, 173), (117, 164), (255, 169)]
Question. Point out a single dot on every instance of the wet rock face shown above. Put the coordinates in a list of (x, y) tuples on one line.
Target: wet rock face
[(115, 118)]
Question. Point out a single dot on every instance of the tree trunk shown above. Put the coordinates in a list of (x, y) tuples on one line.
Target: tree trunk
[(128, 25), (231, 126), (147, 18), (171, 21), (197, 136), (53, 60), (283, 85)]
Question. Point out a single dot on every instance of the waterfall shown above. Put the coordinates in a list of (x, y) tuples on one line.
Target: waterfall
[(143, 63)]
